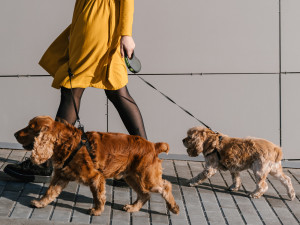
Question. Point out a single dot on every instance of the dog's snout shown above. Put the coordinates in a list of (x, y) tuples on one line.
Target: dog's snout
[(16, 134)]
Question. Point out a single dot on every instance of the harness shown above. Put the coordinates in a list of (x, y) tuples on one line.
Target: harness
[(217, 152), (84, 140)]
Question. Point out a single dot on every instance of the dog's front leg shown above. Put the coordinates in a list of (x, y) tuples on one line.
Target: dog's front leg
[(97, 187), (56, 186), (236, 179), (205, 174)]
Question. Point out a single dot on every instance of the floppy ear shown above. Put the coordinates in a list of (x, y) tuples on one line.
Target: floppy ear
[(210, 144), (43, 147)]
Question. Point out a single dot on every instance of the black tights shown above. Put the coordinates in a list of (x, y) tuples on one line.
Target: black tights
[(121, 99)]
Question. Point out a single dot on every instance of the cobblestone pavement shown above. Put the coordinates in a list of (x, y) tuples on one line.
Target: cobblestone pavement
[(209, 203)]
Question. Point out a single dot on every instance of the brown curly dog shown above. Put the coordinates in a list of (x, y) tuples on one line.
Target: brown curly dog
[(237, 154), (113, 155)]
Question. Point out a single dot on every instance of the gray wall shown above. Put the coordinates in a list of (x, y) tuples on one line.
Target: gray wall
[(246, 50)]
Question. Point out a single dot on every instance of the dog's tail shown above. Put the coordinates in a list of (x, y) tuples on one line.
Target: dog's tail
[(278, 156), (161, 147)]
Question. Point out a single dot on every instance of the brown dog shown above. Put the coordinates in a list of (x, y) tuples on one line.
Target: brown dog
[(113, 155), (236, 154)]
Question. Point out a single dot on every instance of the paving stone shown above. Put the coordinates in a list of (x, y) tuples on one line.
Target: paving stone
[(43, 213), (196, 215), (32, 190), (262, 205), (22, 209), (209, 201), (233, 216), (6, 206), (14, 186), (178, 221), (119, 222), (121, 197), (159, 218), (84, 201), (61, 214), (140, 220), (65, 203)]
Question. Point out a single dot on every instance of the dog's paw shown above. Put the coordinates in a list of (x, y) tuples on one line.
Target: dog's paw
[(233, 188), (193, 184), (130, 208), (292, 195), (174, 209), (94, 212), (37, 204), (255, 195)]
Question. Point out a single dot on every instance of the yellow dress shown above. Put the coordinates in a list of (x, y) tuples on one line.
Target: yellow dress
[(90, 46)]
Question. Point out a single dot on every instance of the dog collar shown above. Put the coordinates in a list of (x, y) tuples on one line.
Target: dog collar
[(216, 150)]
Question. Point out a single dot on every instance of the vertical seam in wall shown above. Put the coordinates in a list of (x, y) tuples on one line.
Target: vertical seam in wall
[(280, 73), (106, 114)]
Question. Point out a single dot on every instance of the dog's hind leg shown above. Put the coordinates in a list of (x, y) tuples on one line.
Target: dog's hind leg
[(165, 189), (236, 181), (56, 186), (97, 187), (260, 172), (142, 196), (277, 172)]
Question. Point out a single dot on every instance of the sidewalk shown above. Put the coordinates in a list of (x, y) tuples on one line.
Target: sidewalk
[(209, 203)]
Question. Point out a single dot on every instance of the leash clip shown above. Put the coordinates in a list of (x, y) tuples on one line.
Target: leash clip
[(81, 127), (70, 73)]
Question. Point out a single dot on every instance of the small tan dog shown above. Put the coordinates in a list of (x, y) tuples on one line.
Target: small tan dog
[(237, 154)]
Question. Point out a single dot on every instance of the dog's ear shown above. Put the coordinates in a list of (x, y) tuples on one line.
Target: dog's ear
[(43, 147), (210, 144)]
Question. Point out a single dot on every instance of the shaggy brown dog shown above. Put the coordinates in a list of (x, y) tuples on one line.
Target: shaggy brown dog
[(113, 155), (236, 154)]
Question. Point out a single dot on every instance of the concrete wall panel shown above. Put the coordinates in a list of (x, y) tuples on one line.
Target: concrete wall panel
[(24, 98), (232, 36), (236, 105), (291, 115), (27, 29), (290, 35)]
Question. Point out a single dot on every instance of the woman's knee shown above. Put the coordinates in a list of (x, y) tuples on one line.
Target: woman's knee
[(111, 95), (117, 95), (66, 94)]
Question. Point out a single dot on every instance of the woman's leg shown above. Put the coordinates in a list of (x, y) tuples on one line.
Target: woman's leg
[(128, 111), (66, 109)]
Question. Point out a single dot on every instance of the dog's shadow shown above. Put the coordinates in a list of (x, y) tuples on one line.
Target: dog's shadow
[(37, 190), (213, 187)]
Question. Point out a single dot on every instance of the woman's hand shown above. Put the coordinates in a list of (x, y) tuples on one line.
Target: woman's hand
[(127, 44)]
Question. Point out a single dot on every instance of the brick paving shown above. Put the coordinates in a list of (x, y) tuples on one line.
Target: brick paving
[(209, 203)]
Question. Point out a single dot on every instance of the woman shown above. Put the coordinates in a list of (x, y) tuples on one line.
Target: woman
[(92, 48)]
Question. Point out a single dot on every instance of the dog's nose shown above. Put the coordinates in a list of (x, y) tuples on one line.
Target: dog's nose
[(16, 134)]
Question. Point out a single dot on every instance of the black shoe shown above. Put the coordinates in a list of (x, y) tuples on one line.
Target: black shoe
[(29, 172)]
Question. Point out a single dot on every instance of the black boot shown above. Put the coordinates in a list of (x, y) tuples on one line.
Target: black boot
[(26, 171)]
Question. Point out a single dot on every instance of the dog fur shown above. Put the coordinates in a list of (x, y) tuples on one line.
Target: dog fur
[(114, 155), (235, 155)]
